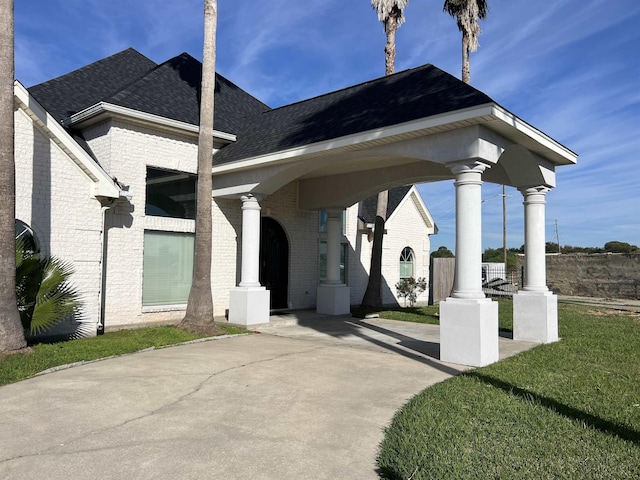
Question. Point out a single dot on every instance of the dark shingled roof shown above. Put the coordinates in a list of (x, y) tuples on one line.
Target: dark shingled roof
[(128, 79), (367, 211), (172, 90), (71, 93), (409, 95)]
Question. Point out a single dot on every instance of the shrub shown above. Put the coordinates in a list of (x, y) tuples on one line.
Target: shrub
[(409, 289)]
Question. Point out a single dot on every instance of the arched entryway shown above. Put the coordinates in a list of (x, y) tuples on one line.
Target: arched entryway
[(274, 262)]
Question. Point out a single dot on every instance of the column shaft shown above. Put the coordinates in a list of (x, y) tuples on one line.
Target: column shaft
[(535, 276), (250, 270), (333, 247), (468, 184)]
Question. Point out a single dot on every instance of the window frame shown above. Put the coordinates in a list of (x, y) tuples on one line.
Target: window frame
[(407, 258)]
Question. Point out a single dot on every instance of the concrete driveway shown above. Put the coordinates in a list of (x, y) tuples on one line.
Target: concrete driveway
[(307, 398)]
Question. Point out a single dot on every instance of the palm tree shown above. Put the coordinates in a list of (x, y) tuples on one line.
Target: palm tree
[(11, 332), (391, 14), (199, 314), (467, 13), (44, 295)]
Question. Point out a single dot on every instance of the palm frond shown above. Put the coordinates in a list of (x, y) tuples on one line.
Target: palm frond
[(386, 8), (45, 296), (467, 13)]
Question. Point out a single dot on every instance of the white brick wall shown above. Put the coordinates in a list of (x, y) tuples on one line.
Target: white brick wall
[(130, 149), (53, 197), (68, 220), (405, 228)]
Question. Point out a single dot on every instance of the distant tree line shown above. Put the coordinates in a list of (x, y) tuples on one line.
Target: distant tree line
[(495, 255)]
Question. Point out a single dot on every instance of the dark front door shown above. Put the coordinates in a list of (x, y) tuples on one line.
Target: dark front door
[(274, 262)]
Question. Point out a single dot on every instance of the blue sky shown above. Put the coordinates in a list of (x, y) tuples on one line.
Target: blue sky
[(569, 67)]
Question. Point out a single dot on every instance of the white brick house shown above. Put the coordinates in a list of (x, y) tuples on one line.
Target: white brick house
[(107, 232), (106, 162)]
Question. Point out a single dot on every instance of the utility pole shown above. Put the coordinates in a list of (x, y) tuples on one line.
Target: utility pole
[(558, 238)]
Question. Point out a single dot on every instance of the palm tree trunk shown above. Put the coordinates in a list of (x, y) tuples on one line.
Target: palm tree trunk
[(11, 331), (466, 69), (199, 312), (372, 299), (390, 47)]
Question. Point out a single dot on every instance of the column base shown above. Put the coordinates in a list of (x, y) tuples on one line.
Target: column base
[(535, 317), (469, 331), (249, 305), (333, 300)]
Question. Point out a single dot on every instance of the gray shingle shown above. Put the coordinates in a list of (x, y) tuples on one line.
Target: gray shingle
[(172, 90), (129, 79), (409, 95), (73, 92)]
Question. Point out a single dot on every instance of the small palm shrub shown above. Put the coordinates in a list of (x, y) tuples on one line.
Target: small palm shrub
[(410, 288), (45, 296)]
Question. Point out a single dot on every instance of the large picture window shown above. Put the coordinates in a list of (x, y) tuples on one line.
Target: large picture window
[(167, 268), (406, 262), (170, 194)]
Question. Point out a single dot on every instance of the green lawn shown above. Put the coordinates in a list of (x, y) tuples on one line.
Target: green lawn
[(565, 410), (430, 314), (45, 356)]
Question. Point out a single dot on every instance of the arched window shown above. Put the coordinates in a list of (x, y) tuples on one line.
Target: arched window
[(25, 233), (406, 262)]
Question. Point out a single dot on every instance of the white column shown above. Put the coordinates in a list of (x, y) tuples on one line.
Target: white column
[(535, 275), (250, 242), (535, 308), (468, 184), (468, 320), (249, 302), (333, 297), (333, 247)]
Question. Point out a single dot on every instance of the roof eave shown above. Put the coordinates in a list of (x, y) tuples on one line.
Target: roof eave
[(99, 111), (491, 115), (102, 184)]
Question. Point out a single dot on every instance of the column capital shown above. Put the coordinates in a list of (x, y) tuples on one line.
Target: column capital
[(250, 202), (467, 166), (335, 212), (468, 172), (539, 190), (534, 194)]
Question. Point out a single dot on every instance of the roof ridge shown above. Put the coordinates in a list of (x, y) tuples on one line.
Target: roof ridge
[(128, 50), (357, 85)]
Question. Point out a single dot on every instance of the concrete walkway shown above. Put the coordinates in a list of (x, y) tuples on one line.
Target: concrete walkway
[(307, 398)]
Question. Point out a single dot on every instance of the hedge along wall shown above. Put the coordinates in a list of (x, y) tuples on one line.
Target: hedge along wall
[(607, 275)]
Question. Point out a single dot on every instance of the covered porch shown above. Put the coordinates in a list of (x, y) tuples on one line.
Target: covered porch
[(343, 147)]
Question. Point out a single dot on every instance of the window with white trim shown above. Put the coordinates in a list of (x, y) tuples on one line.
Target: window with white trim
[(406, 262), (170, 194), (167, 267), (26, 234)]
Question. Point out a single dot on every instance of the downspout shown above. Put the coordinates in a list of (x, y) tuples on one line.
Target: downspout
[(103, 264), (126, 194)]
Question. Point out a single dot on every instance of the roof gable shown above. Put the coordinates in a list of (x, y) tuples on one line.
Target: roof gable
[(368, 207), (73, 92), (391, 100), (172, 90), (129, 79), (102, 184)]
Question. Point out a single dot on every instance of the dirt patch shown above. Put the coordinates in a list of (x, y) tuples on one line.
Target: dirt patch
[(612, 313)]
